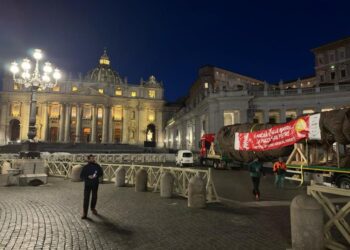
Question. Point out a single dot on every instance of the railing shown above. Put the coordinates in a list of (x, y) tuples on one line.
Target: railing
[(336, 215), (181, 176)]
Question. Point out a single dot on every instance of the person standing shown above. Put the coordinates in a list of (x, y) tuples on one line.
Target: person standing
[(90, 174), (279, 168), (256, 170)]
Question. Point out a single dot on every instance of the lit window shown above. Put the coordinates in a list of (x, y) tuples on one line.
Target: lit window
[(104, 61), (332, 67), (100, 91), (15, 86), (151, 93), (151, 116), (54, 111), (118, 92), (99, 113), (87, 112), (133, 93), (117, 113), (56, 88), (74, 112), (206, 85), (16, 109), (74, 88)]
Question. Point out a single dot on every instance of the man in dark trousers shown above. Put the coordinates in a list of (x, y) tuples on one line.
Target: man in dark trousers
[(90, 175), (256, 170)]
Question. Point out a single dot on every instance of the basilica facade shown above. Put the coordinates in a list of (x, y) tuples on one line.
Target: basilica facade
[(220, 97), (99, 108)]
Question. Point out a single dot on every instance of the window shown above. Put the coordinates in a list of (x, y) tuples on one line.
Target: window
[(151, 93), (100, 91), (133, 93), (74, 112), (320, 60), (228, 118), (104, 61), (15, 86), (54, 111), (332, 75), (132, 115), (87, 112), (56, 89), (99, 113), (343, 73), (151, 116), (74, 89), (206, 85), (331, 57), (117, 113), (15, 109), (118, 92), (322, 78)]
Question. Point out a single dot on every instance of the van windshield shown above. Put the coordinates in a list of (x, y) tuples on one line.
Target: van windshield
[(187, 155)]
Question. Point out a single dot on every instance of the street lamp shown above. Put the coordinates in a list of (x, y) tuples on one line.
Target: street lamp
[(34, 79)]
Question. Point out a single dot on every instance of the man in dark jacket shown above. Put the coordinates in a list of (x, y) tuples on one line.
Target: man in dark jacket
[(90, 175), (256, 170)]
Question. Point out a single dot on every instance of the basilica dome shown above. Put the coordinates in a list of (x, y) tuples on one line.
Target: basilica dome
[(103, 72)]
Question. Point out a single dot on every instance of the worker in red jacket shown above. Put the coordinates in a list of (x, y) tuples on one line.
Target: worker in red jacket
[(279, 168)]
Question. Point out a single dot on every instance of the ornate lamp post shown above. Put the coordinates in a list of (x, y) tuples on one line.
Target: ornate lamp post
[(34, 79)]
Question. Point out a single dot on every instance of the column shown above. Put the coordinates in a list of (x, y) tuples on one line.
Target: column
[(45, 122), (197, 133), (110, 126), (3, 125), (61, 124), (282, 115), (94, 124), (125, 125), (159, 128), (142, 125), (266, 116), (67, 123), (78, 124), (105, 124), (243, 115)]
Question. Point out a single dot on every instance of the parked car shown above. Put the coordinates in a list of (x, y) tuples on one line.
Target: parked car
[(184, 157)]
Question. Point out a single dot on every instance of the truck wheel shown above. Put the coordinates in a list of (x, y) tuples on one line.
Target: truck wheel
[(344, 182)]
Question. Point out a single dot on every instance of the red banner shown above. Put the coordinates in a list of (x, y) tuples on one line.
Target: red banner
[(276, 137)]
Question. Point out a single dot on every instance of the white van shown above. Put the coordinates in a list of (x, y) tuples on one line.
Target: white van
[(184, 157)]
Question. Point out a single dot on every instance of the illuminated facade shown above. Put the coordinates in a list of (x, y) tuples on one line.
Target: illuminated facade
[(220, 97), (101, 108)]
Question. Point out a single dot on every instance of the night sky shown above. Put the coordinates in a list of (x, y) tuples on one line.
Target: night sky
[(268, 40)]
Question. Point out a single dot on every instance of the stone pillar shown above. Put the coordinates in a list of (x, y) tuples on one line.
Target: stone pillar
[(120, 177), (197, 135), (142, 125), (67, 123), (125, 125), (282, 115), (105, 124), (159, 128), (266, 116), (45, 121), (196, 192), (3, 122), (61, 124), (75, 174), (110, 126), (141, 181), (78, 124), (166, 185), (243, 117), (94, 124), (306, 223)]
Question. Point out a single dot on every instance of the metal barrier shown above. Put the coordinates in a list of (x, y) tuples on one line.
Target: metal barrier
[(181, 176), (336, 215)]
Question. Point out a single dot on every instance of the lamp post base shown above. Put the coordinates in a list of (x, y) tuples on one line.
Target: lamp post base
[(29, 150)]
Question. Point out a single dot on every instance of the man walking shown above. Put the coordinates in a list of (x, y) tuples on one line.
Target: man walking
[(90, 175), (256, 170)]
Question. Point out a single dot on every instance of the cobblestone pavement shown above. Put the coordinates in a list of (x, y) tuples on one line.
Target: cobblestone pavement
[(48, 217)]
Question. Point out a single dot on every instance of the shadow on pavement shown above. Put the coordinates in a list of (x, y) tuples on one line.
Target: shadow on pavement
[(107, 225)]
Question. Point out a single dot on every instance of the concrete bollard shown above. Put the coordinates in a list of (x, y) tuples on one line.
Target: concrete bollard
[(166, 185), (196, 193), (6, 166), (120, 177), (306, 223), (75, 175), (141, 181)]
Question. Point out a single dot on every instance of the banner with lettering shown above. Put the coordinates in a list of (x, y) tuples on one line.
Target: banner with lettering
[(280, 135)]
